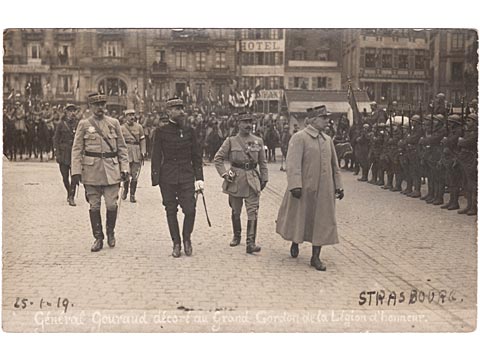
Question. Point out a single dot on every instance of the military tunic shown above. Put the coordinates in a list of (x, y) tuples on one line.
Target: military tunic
[(135, 140), (244, 153)]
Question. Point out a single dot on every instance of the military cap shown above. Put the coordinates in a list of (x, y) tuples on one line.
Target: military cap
[(245, 117), (415, 118), (366, 126), (70, 106), (455, 118), (17, 102), (373, 103), (213, 114), (97, 98), (129, 111), (174, 102), (439, 117), (318, 111), (473, 117)]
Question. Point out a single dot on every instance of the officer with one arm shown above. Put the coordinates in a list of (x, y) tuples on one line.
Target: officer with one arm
[(242, 181), (136, 144), (100, 162)]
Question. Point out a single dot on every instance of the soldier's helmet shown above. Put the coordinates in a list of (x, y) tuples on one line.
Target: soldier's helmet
[(473, 117), (70, 107), (415, 118), (439, 118), (129, 111), (455, 119)]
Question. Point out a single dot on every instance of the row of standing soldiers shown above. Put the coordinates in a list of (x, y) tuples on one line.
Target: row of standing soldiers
[(439, 149)]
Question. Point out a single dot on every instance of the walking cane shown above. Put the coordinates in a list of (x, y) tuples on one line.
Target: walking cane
[(120, 198), (204, 205)]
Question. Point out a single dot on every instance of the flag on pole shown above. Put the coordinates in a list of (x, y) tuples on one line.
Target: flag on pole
[(357, 117)]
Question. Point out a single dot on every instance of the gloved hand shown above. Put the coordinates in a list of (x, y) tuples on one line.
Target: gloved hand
[(296, 193), (339, 194), (76, 179), (124, 175), (263, 184), (199, 185)]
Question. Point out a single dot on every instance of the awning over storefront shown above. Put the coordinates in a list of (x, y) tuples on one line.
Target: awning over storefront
[(336, 101)]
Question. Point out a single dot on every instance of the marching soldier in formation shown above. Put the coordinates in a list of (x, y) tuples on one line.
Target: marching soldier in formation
[(243, 182), (414, 180), (63, 142), (135, 140), (361, 152), (453, 176), (468, 158), (177, 169), (438, 171), (100, 162)]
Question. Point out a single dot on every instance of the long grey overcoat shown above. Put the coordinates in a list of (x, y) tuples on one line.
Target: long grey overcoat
[(313, 166)]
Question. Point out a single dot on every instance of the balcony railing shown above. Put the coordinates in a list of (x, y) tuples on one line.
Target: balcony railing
[(160, 68)]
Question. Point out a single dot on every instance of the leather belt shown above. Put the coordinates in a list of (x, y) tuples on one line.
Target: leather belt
[(132, 142), (245, 166), (101, 155)]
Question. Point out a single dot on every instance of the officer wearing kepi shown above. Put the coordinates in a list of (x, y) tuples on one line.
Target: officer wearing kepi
[(63, 141), (100, 162), (177, 168), (136, 144), (243, 182)]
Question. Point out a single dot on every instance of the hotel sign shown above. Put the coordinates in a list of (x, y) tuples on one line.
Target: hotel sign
[(261, 45)]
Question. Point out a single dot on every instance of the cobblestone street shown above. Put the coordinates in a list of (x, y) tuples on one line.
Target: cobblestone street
[(388, 242)]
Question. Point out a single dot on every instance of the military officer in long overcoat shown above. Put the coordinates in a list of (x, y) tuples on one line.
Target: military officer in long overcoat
[(137, 152), (307, 212), (100, 162), (243, 182)]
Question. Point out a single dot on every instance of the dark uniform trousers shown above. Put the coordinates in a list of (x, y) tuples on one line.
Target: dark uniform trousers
[(182, 194)]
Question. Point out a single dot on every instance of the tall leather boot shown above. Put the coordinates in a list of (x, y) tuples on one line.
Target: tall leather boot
[(374, 178), (133, 189), (71, 196), (440, 192), (389, 184), (381, 177), (408, 189), (429, 194), (315, 260), (468, 195), (417, 183), (454, 205), (473, 208), (175, 235), (125, 189), (111, 220), (398, 183), (96, 223), (237, 230), (251, 235), (188, 223)]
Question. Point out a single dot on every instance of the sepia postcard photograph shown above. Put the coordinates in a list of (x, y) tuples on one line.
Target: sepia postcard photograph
[(239, 180)]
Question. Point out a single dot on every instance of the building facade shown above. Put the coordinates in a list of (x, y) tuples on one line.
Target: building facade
[(65, 65), (390, 64), (261, 59), (313, 59), (195, 64), (453, 68)]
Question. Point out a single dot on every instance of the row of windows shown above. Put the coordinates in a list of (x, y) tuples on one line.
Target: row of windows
[(319, 82), (320, 55), (264, 82), (387, 60), (261, 34), (200, 60), (262, 58)]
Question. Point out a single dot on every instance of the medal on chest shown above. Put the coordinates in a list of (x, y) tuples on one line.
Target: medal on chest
[(91, 130), (181, 133)]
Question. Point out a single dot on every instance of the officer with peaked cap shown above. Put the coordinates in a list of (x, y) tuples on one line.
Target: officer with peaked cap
[(62, 143), (136, 144), (100, 162), (177, 169), (243, 182)]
